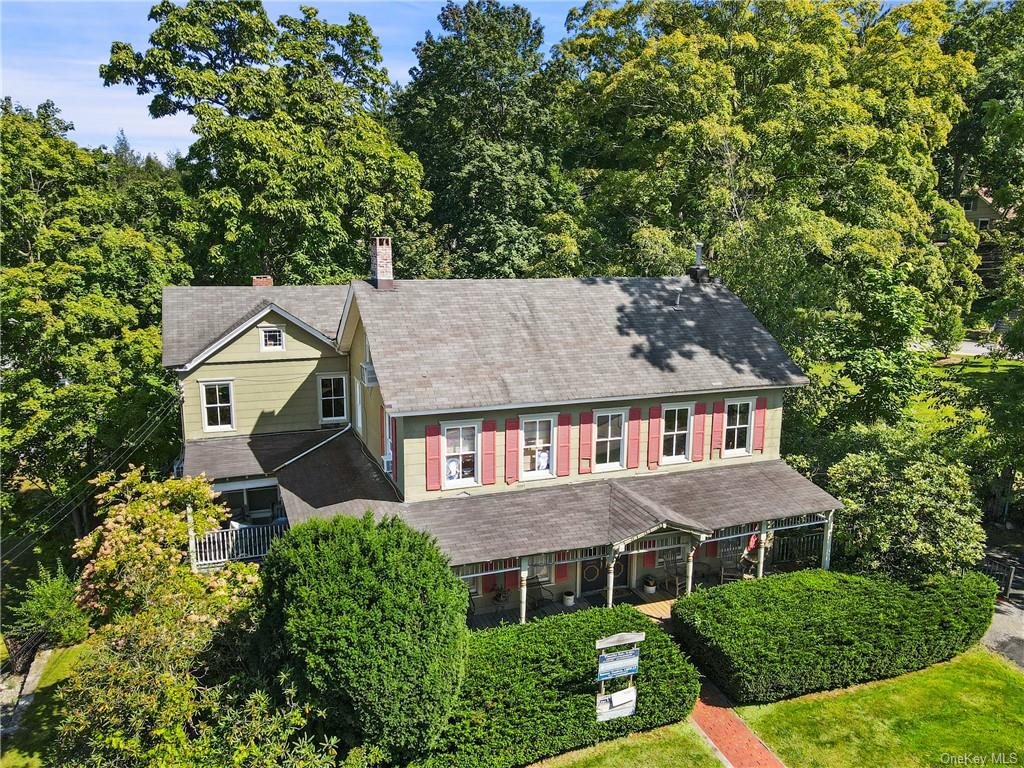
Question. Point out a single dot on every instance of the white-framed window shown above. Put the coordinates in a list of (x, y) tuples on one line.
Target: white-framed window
[(331, 391), (271, 338), (739, 427), (970, 203), (609, 440), (983, 224), (537, 436), (218, 404), (387, 458), (460, 466), (676, 432), (541, 571)]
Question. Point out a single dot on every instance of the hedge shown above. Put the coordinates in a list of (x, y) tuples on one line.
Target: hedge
[(790, 634), (529, 690)]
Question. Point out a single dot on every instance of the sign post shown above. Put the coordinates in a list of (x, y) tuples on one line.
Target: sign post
[(613, 664)]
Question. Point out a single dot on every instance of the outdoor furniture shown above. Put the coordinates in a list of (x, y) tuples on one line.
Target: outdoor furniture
[(537, 594), (673, 575)]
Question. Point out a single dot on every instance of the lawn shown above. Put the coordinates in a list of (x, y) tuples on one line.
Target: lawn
[(27, 747), (999, 382), (973, 704), (668, 747)]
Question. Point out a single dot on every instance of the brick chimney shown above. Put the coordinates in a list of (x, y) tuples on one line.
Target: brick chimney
[(382, 275), (262, 281)]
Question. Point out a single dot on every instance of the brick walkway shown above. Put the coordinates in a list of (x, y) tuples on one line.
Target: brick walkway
[(728, 733)]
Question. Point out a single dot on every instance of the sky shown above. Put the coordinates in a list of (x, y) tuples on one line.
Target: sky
[(53, 50)]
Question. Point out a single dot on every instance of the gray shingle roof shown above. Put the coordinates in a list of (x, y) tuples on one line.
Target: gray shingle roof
[(449, 344), (340, 479), (194, 317), (247, 455)]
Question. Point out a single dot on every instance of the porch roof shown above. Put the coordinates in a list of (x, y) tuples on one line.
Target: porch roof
[(339, 479), (247, 455)]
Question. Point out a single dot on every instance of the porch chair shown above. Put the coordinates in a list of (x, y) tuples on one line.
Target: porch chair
[(537, 594), (673, 576)]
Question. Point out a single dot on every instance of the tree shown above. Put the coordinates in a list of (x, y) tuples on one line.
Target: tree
[(87, 251), (142, 539), (291, 170), (371, 622), (480, 114), (794, 140), (908, 511)]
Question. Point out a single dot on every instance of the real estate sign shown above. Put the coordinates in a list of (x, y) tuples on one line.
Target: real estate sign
[(613, 664)]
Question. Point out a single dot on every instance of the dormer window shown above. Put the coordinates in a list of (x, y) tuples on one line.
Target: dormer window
[(271, 339)]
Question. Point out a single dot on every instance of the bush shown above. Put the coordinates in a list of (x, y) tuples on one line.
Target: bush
[(372, 623), (530, 690), (815, 630), (48, 604)]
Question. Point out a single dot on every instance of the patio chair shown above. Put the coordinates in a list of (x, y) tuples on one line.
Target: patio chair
[(537, 594), (673, 577)]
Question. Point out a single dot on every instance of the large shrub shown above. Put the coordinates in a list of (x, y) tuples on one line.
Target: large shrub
[(786, 635), (530, 690), (48, 604), (372, 623)]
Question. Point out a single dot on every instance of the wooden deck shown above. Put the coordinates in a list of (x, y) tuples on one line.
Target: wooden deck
[(657, 606)]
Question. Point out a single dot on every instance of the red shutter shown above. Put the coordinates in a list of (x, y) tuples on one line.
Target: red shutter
[(717, 424), (511, 580), (586, 441), (711, 549), (383, 424), (394, 449), (760, 412), (511, 451), (490, 581), (633, 439), (564, 435), (561, 569), (697, 445), (487, 452), (433, 457), (650, 559), (654, 437)]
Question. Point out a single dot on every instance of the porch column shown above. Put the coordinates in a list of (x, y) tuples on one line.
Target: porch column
[(826, 543), (610, 584), (689, 569), (762, 535), (524, 574)]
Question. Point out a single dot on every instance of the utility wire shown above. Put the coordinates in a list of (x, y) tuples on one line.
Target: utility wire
[(57, 517)]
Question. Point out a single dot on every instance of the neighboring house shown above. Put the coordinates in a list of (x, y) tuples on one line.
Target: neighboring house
[(576, 433), (981, 211)]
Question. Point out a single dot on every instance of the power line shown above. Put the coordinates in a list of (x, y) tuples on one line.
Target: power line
[(57, 517), (89, 474)]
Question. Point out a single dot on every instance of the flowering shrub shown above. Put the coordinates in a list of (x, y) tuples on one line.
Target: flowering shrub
[(142, 538)]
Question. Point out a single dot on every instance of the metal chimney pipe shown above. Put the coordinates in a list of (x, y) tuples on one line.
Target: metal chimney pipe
[(700, 253)]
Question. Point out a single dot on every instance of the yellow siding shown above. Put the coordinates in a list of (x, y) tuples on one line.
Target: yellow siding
[(370, 427), (414, 449), (272, 391)]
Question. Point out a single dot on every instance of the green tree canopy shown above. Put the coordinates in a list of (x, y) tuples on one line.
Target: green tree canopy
[(480, 114), (86, 254), (292, 168), (795, 140)]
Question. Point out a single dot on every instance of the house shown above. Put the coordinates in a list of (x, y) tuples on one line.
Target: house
[(579, 434), (984, 214)]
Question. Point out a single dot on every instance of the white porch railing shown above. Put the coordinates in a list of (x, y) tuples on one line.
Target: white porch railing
[(248, 543)]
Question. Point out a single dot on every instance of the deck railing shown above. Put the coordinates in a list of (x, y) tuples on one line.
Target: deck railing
[(792, 549), (248, 543)]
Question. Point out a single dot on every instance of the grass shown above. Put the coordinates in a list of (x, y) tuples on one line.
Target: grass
[(28, 747), (998, 382), (668, 747), (973, 704)]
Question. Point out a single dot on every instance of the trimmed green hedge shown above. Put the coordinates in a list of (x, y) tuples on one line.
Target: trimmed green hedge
[(786, 635), (529, 690)]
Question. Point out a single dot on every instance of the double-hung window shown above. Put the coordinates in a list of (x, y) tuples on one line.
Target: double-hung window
[(271, 339), (738, 428), (218, 406), (332, 398), (387, 458), (461, 454), (538, 446), (675, 440), (609, 439), (540, 571)]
